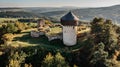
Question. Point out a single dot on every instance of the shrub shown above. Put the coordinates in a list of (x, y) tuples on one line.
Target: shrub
[(7, 38), (27, 65), (48, 61), (54, 61), (16, 59), (20, 26), (11, 28)]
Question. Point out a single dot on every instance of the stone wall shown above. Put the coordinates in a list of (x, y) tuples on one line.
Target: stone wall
[(36, 34)]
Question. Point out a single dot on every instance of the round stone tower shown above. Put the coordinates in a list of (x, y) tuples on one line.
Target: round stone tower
[(69, 22)]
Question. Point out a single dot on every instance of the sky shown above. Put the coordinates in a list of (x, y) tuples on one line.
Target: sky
[(58, 3)]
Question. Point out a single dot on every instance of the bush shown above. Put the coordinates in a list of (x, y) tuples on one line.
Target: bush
[(54, 61), (27, 65), (7, 38), (20, 26), (10, 28), (15, 27), (16, 59)]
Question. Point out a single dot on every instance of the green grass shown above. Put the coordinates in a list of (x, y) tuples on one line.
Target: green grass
[(25, 40), (55, 30)]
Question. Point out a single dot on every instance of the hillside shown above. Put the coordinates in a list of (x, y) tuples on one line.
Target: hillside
[(31, 11), (48, 9), (17, 14), (112, 12)]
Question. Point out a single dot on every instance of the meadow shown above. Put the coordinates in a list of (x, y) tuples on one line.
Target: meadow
[(25, 40)]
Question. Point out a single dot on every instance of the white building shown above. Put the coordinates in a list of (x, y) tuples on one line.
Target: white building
[(69, 22)]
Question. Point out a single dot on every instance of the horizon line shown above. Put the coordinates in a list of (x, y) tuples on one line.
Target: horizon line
[(55, 6)]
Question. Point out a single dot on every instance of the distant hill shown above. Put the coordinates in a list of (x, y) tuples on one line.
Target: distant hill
[(112, 12), (17, 14), (10, 9), (49, 9), (88, 14), (31, 11)]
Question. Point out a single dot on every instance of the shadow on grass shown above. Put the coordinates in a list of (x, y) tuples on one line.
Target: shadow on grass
[(40, 40), (57, 42), (32, 40), (43, 41)]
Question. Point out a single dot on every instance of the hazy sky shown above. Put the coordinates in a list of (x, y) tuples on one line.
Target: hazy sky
[(57, 3)]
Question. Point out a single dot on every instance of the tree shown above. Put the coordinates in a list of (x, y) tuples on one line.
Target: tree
[(99, 56), (54, 61), (97, 25), (75, 65), (27, 65), (11, 28), (16, 59), (103, 31), (60, 61), (48, 61), (20, 26), (7, 38)]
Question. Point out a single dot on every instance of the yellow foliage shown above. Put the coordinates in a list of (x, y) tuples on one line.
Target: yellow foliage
[(7, 37), (75, 65), (48, 22), (28, 65), (13, 63), (54, 61), (48, 58), (59, 57)]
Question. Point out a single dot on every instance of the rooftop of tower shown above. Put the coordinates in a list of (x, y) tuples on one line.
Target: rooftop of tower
[(69, 19)]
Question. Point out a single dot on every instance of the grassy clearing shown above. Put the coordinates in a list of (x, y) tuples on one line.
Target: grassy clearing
[(55, 30), (25, 40)]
